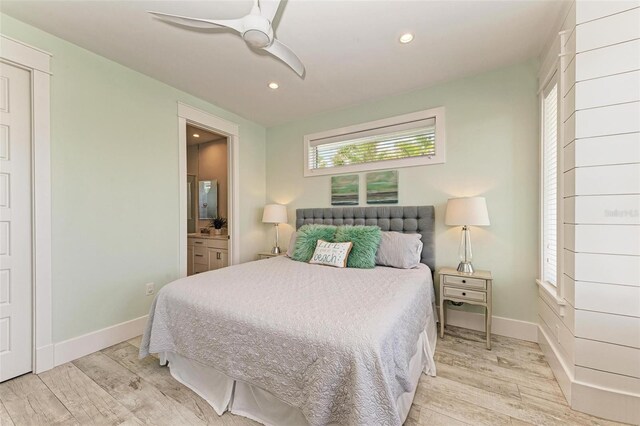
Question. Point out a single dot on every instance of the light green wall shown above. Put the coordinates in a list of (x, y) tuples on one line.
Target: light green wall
[(115, 184), (491, 150)]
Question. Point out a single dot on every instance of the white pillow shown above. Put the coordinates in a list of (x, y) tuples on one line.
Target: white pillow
[(292, 244), (399, 250), (331, 254)]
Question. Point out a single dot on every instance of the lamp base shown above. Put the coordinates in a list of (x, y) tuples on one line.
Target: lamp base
[(275, 250), (465, 267)]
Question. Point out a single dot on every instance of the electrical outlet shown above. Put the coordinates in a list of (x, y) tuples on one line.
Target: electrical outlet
[(150, 289)]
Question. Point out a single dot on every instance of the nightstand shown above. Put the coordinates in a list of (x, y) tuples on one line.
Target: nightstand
[(474, 289), (268, 254)]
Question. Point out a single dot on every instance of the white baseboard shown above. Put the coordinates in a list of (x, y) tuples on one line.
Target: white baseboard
[(86, 344), (606, 403), (587, 397), (561, 371), (44, 358), (517, 329)]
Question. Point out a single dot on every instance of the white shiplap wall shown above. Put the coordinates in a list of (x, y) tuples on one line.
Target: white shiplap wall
[(602, 208), (590, 327)]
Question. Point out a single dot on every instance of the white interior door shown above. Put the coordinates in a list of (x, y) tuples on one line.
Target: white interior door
[(16, 254)]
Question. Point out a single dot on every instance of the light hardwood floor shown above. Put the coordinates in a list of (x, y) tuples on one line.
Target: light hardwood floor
[(511, 384)]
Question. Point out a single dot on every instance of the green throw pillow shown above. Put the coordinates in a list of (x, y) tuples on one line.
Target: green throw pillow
[(365, 239), (307, 238)]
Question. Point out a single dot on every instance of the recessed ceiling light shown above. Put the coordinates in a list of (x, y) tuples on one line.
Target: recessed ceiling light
[(273, 85), (406, 38), (195, 135)]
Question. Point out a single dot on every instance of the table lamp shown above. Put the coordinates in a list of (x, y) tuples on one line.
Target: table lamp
[(465, 212), (275, 213)]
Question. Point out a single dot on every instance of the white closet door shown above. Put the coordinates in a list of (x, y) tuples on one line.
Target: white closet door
[(16, 351)]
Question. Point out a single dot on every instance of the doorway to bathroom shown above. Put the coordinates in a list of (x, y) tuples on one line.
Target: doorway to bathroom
[(207, 200), (207, 177), (208, 153)]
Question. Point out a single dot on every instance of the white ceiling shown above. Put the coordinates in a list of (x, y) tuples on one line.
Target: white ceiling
[(350, 48)]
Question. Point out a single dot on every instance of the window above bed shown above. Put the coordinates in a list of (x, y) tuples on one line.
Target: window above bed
[(414, 139)]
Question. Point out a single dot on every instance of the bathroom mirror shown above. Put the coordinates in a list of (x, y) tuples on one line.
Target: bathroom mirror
[(208, 199)]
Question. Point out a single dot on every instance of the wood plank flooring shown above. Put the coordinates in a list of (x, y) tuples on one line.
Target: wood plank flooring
[(510, 385)]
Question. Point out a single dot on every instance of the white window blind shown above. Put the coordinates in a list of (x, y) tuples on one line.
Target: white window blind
[(550, 185), (413, 139), (409, 140)]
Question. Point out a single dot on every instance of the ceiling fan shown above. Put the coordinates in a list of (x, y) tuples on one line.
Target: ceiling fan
[(255, 28)]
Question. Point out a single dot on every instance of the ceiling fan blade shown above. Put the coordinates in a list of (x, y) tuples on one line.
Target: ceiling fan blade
[(234, 24), (286, 55), (269, 8)]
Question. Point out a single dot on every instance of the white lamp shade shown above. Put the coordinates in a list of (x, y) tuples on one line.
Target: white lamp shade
[(274, 213), (467, 211)]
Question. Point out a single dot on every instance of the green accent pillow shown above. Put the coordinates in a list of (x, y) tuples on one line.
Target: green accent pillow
[(307, 238), (365, 239)]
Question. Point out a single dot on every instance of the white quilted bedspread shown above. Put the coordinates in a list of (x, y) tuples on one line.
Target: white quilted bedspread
[(335, 343)]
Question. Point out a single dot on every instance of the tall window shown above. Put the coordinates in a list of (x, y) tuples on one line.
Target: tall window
[(550, 184), (408, 140)]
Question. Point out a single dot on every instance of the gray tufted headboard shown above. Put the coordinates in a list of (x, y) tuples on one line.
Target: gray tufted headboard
[(407, 219)]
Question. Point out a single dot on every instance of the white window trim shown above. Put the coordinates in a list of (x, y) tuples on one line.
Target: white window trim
[(547, 290), (438, 158), (554, 75)]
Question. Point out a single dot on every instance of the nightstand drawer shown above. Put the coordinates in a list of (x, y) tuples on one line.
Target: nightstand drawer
[(268, 255), (467, 282), (460, 293)]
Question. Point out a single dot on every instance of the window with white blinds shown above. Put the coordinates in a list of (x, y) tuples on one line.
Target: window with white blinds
[(409, 140), (550, 184)]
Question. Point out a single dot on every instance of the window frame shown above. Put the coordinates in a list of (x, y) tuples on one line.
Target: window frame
[(436, 113), (555, 292), (555, 66), (559, 223)]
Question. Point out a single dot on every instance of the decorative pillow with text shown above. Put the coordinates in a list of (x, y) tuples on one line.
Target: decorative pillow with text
[(307, 237), (331, 254)]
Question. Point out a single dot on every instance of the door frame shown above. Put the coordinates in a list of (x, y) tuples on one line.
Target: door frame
[(37, 62), (190, 115)]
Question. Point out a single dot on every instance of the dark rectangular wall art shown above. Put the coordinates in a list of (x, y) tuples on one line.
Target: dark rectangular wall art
[(382, 187), (345, 190)]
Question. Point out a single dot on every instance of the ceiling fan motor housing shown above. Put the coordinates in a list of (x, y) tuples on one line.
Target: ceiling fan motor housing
[(257, 31), (254, 28)]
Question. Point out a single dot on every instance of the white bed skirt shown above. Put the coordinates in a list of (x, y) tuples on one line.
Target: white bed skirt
[(226, 394)]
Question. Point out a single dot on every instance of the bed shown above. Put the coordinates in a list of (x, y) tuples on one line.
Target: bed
[(290, 343)]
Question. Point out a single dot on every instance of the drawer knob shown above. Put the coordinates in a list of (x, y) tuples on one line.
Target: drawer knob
[(464, 281), (464, 294)]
